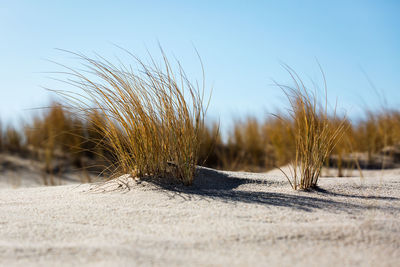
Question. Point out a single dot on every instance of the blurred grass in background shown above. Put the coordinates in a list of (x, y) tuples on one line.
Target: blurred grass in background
[(63, 141)]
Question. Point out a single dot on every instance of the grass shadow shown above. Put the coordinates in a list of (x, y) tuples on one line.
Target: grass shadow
[(215, 185), (335, 194)]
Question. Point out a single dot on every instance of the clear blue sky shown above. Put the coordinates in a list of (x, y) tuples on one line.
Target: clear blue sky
[(241, 43)]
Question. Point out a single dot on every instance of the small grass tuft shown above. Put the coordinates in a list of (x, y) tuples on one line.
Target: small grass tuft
[(312, 131)]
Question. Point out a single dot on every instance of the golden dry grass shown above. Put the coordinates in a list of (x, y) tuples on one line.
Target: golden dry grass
[(55, 132), (314, 135), (251, 145), (152, 116), (344, 146), (211, 146), (377, 131), (12, 140), (149, 121), (280, 141), (245, 147)]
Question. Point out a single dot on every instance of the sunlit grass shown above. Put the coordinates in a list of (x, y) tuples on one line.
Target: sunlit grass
[(314, 134), (148, 121), (377, 131), (152, 116)]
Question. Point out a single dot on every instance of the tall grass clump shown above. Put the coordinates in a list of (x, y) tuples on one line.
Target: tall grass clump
[(314, 136), (152, 114)]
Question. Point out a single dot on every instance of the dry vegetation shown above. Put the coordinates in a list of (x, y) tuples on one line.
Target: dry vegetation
[(251, 145), (149, 122), (12, 140), (60, 139), (150, 118), (379, 132), (315, 133), (53, 133)]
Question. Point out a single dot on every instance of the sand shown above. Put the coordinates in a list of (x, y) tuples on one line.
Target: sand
[(225, 219), (17, 172)]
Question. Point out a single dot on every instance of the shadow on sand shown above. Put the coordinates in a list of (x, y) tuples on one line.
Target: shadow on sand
[(212, 184)]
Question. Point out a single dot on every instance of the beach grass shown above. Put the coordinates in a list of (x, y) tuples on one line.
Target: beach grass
[(314, 134), (152, 116)]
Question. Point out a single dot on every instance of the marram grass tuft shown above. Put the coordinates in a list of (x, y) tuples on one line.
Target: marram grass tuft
[(314, 134), (152, 115)]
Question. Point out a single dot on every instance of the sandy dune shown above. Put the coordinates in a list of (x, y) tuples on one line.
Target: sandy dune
[(17, 172), (225, 219)]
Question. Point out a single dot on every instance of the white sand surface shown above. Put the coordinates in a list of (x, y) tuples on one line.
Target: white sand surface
[(225, 219), (17, 172)]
